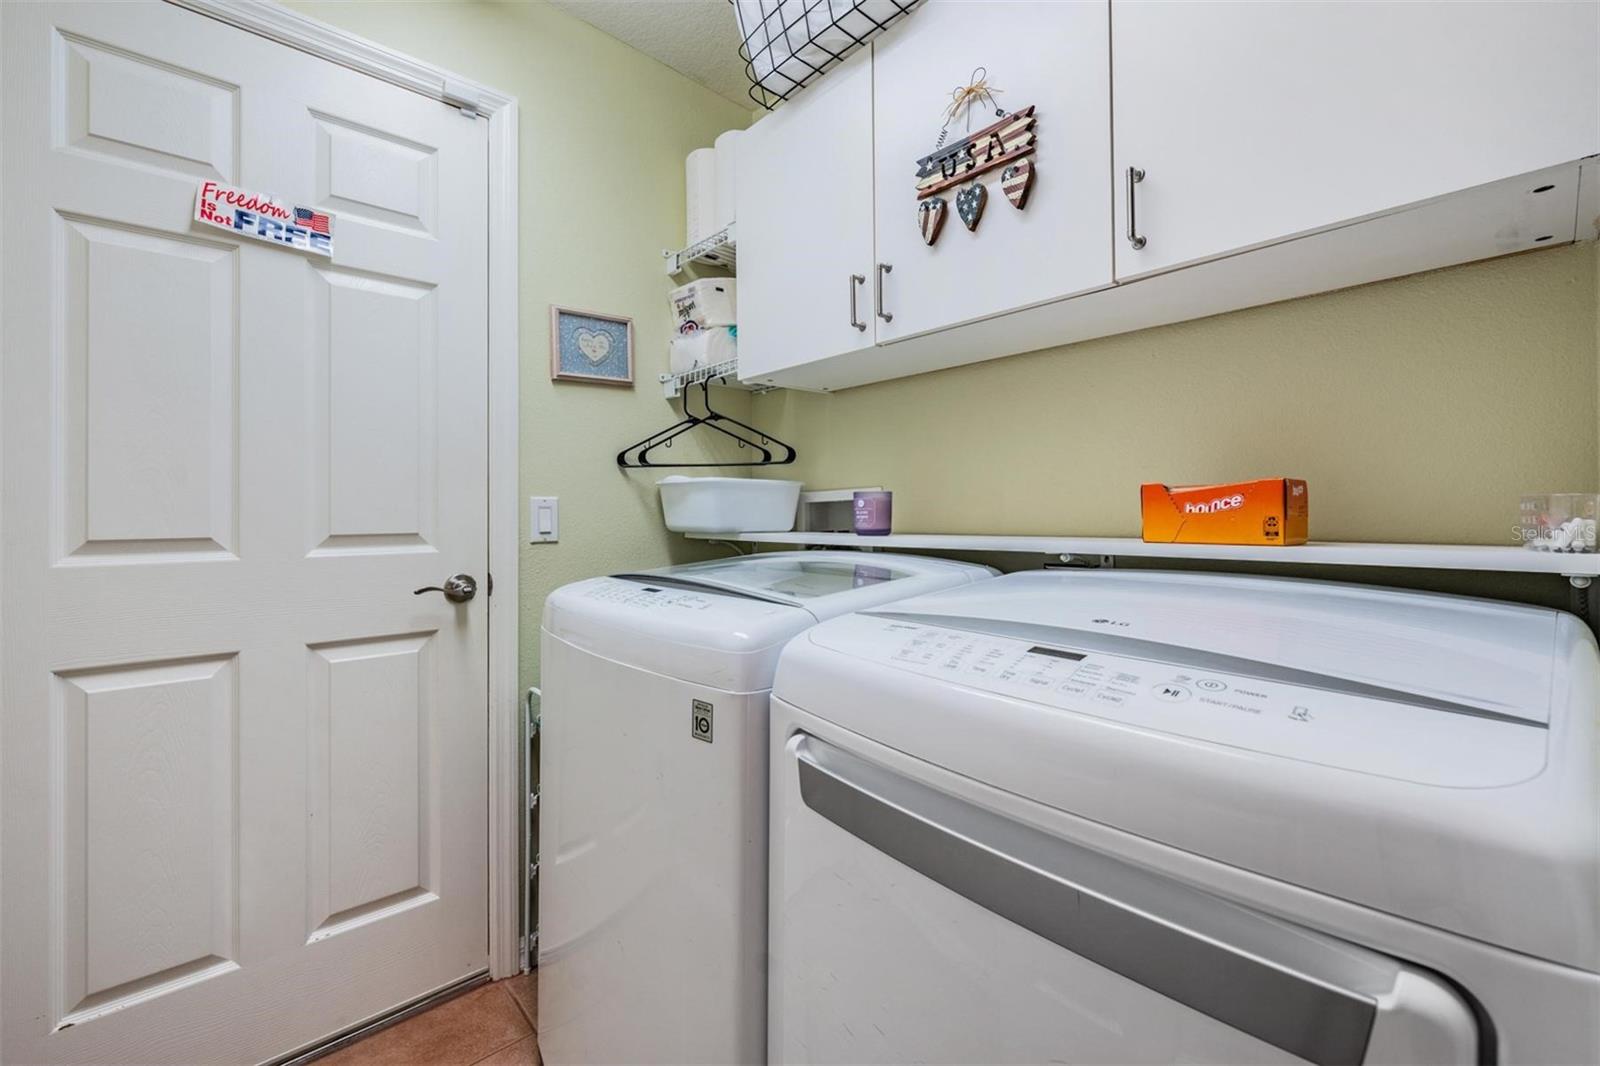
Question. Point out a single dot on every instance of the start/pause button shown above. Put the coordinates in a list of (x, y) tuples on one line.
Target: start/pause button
[(1171, 693)]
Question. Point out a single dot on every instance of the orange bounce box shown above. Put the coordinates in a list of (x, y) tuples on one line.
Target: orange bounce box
[(1246, 512)]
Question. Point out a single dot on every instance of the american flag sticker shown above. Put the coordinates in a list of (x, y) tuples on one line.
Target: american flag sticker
[(315, 221), (261, 217)]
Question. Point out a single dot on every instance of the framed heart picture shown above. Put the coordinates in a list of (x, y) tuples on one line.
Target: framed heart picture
[(585, 346)]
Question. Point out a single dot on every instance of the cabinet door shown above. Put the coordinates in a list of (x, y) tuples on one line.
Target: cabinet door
[(1253, 122), (1054, 57), (805, 225)]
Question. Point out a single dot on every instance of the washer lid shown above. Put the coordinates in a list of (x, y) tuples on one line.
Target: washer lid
[(822, 582), (722, 624)]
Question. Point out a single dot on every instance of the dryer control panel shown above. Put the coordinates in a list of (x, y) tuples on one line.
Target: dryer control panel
[(1325, 720)]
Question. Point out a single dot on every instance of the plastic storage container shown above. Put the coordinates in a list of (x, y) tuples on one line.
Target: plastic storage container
[(704, 347), (705, 303), (728, 504), (1559, 521)]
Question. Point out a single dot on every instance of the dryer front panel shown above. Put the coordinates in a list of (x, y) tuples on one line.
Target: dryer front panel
[(911, 924)]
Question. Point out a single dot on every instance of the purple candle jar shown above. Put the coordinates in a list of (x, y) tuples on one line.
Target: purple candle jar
[(872, 512)]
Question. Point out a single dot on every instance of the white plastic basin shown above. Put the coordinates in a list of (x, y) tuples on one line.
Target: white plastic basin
[(728, 504)]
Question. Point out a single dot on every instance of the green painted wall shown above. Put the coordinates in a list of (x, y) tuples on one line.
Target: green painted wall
[(1418, 409), (604, 132)]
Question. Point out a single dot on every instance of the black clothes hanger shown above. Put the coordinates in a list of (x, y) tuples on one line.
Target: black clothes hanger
[(637, 455)]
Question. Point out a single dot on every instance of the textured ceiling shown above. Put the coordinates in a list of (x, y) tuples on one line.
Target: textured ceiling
[(697, 38)]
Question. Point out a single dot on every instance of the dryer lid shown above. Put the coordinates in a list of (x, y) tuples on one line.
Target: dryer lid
[(1448, 652), (1426, 755)]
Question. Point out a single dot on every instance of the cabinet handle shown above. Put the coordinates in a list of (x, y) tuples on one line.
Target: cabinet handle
[(1135, 176), (855, 319), (883, 268)]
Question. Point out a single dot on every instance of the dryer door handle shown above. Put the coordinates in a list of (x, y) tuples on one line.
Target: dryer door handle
[(1322, 999)]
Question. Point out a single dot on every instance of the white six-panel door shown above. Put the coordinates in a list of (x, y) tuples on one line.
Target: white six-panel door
[(244, 775)]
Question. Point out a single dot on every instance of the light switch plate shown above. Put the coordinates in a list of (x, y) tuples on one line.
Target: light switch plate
[(544, 519)]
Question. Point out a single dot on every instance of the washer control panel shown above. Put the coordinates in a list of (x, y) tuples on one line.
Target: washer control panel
[(648, 597), (1327, 726)]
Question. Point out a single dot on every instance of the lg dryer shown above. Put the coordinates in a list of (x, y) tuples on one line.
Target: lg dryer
[(653, 795), (1103, 818)]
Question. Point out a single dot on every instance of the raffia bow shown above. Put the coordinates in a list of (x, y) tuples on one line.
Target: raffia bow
[(964, 96)]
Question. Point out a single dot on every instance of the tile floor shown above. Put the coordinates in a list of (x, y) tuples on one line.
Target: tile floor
[(493, 1025)]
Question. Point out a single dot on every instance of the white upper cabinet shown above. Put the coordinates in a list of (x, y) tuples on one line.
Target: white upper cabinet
[(1284, 147), (1254, 122), (1053, 57), (805, 225)]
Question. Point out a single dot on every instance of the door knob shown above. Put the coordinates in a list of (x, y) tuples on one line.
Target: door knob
[(458, 589)]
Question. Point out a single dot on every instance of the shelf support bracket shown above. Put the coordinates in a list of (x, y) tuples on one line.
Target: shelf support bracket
[(1076, 561)]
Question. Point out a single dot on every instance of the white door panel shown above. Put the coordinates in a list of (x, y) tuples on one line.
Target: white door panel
[(1258, 121), (244, 767), (1055, 57), (158, 325)]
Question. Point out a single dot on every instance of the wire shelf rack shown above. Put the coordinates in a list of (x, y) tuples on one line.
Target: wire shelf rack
[(724, 373), (721, 249), (787, 44)]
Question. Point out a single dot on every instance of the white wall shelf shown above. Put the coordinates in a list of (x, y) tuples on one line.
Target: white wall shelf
[(721, 250), (724, 373), (1581, 569)]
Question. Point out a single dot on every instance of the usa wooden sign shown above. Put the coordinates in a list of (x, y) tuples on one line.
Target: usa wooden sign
[(1008, 143), (1004, 142)]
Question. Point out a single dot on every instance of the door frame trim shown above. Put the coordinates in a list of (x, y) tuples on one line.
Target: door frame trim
[(506, 805)]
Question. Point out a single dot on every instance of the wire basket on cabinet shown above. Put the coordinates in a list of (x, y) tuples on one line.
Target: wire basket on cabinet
[(787, 44)]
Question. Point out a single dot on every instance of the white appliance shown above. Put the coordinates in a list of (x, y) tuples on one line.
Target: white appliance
[(1150, 817), (653, 795)]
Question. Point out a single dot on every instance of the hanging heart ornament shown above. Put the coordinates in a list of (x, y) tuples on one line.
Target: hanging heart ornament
[(1016, 181), (969, 204), (930, 219)]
